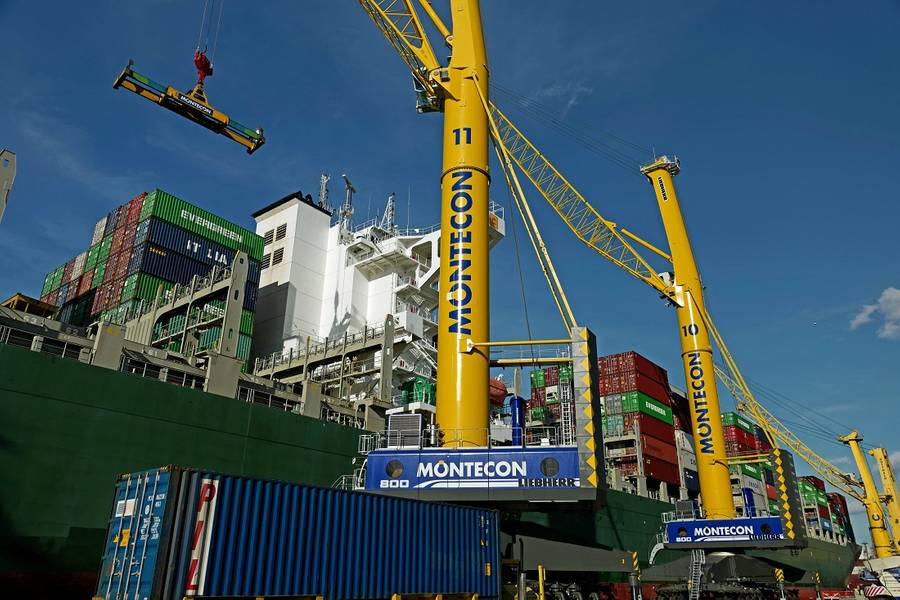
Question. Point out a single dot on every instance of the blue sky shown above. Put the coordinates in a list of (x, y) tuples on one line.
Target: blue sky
[(784, 117)]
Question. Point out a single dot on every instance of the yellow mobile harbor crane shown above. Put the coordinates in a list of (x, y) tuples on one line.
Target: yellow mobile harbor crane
[(889, 492), (683, 289), (461, 91)]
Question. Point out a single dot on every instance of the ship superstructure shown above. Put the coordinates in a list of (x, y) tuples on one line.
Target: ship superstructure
[(347, 312)]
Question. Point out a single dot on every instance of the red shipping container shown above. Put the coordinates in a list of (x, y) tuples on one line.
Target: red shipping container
[(99, 299), (823, 512), (650, 426), (128, 241), (655, 448), (661, 470), (733, 433), (627, 466), (771, 492), (72, 292), (538, 395), (732, 448), (122, 215), (814, 481), (52, 297), (629, 362), (67, 271), (551, 376), (85, 285), (117, 238), (134, 208), (627, 382), (122, 264)]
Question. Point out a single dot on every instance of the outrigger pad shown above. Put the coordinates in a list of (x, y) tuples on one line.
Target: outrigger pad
[(192, 105)]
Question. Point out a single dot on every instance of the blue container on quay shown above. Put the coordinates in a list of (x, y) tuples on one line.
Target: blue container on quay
[(185, 532)]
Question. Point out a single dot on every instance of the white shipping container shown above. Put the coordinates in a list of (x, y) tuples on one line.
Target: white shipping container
[(78, 269), (760, 503), (98, 231), (744, 481), (684, 441), (687, 460)]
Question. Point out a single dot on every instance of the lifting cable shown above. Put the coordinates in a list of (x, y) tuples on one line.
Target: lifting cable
[(206, 24), (627, 160), (512, 225)]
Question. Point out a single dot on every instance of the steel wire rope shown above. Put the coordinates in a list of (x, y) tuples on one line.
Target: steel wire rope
[(542, 114), (521, 272), (202, 24), (522, 99), (218, 27)]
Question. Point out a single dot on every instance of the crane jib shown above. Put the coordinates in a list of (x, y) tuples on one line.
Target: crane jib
[(460, 291), (698, 396)]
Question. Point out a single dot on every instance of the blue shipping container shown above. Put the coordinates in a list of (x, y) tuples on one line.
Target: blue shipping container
[(181, 532), (691, 480)]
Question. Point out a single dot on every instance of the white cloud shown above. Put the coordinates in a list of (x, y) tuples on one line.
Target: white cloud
[(864, 316), (895, 458), (887, 307), (65, 146), (570, 92)]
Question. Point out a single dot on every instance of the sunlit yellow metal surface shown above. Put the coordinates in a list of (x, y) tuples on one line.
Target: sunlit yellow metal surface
[(696, 348), (889, 492), (881, 539), (462, 386)]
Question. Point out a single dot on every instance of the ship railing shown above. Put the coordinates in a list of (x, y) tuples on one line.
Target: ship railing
[(320, 347), (546, 435)]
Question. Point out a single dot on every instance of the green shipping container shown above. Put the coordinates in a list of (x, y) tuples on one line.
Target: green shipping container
[(821, 498), (57, 277), (243, 347), (750, 470), (731, 418), (141, 286), (538, 413), (247, 317), (637, 401), (99, 271), (537, 378), (167, 207), (48, 281), (774, 509), (93, 254), (103, 253)]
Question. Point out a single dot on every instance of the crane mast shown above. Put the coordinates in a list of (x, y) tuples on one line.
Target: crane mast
[(696, 348), (889, 492), (881, 537), (462, 388)]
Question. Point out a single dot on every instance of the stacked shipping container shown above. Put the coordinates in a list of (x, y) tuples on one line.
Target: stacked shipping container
[(145, 247), (551, 388), (636, 407)]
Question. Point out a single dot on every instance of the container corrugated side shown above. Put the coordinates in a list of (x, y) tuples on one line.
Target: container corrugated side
[(192, 218), (207, 534)]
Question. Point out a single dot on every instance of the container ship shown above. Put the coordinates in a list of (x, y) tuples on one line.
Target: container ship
[(180, 338)]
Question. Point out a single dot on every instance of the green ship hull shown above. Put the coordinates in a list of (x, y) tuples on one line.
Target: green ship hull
[(70, 428)]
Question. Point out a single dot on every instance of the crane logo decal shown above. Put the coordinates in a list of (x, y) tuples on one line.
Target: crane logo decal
[(698, 395), (662, 189), (460, 294)]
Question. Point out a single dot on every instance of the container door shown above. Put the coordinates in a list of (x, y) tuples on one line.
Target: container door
[(133, 537)]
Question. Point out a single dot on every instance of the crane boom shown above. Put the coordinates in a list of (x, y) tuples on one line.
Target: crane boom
[(400, 24), (589, 226), (606, 238), (881, 537)]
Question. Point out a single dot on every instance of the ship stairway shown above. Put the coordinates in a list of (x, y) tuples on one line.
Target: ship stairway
[(698, 560), (890, 583)]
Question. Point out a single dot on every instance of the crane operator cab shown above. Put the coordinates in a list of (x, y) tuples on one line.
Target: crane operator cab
[(192, 105)]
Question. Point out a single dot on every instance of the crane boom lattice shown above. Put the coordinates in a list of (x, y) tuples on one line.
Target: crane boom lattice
[(597, 233)]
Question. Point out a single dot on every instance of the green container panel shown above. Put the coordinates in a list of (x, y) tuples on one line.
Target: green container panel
[(163, 205), (731, 418), (103, 252), (93, 254), (99, 271), (640, 402), (247, 317), (774, 508), (142, 286), (821, 498), (243, 347), (537, 378), (750, 470)]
